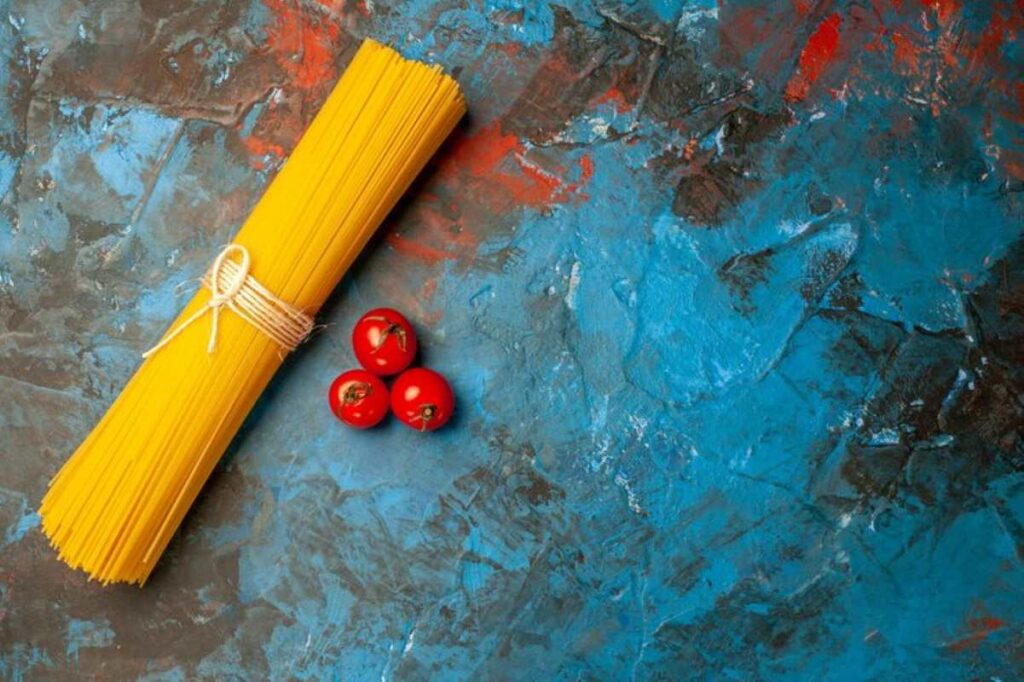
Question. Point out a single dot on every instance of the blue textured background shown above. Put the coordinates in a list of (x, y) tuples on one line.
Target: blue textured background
[(731, 294)]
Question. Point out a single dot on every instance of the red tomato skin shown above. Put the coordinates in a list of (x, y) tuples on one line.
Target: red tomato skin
[(422, 399), (384, 342), (359, 398)]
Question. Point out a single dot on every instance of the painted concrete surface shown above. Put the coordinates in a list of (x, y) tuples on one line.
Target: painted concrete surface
[(731, 294)]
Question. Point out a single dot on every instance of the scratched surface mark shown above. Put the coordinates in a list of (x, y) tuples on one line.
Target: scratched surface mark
[(731, 294)]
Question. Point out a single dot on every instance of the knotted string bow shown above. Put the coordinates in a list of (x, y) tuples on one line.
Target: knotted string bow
[(232, 286)]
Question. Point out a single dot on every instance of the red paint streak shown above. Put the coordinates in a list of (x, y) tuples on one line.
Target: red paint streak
[(991, 38), (294, 32), (980, 629), (500, 176), (425, 253), (482, 152), (533, 187), (1013, 163), (763, 36), (994, 36), (906, 52), (944, 9), (816, 56), (485, 157), (614, 96), (877, 41), (511, 49), (586, 169), (802, 7), (947, 47), (745, 28), (545, 184), (586, 164)]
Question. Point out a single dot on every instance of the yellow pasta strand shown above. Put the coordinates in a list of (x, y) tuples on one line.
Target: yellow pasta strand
[(116, 503)]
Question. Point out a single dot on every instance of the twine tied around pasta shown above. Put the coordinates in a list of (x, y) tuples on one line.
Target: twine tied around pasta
[(232, 286)]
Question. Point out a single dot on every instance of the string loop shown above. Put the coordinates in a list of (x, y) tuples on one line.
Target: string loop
[(232, 286)]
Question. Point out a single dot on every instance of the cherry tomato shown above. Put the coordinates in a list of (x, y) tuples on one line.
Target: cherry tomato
[(358, 398), (384, 341), (422, 399)]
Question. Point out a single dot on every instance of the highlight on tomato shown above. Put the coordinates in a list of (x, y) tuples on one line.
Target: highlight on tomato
[(384, 342), (422, 399)]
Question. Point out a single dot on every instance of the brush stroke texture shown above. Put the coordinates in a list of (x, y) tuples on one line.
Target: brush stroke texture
[(731, 295)]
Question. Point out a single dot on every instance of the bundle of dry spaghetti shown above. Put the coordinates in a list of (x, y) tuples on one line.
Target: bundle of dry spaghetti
[(116, 503)]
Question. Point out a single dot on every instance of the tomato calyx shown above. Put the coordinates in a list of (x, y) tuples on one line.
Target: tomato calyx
[(422, 399), (356, 392), (393, 329), (427, 412), (359, 398)]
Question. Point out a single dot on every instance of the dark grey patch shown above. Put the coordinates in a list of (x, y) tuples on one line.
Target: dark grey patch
[(709, 195), (818, 203), (757, 642), (949, 409), (742, 272), (710, 191), (846, 293), (821, 271), (867, 344), (683, 85), (586, 63)]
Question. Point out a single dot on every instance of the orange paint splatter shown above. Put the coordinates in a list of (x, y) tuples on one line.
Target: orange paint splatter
[(802, 7), (906, 52), (501, 176), (533, 187), (690, 149), (545, 184), (511, 49), (1013, 164), (586, 169), (614, 96), (482, 152), (992, 38), (586, 164), (260, 148), (947, 47), (877, 40), (980, 629), (944, 9), (816, 56), (425, 253), (303, 44)]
